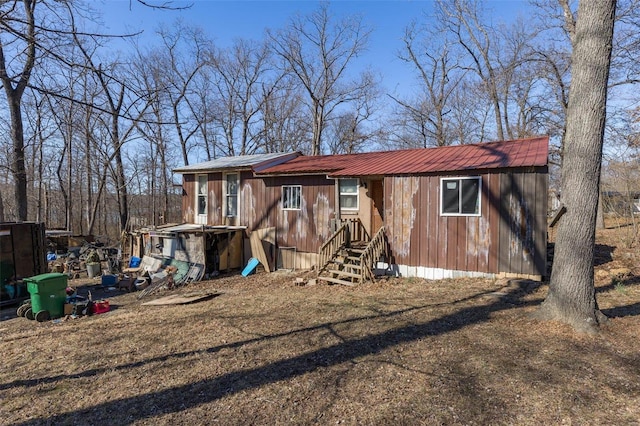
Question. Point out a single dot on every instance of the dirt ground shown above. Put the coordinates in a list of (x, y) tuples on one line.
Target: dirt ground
[(264, 350)]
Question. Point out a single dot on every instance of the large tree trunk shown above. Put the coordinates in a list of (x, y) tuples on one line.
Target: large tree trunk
[(1, 209), (571, 298), (19, 170), (120, 177)]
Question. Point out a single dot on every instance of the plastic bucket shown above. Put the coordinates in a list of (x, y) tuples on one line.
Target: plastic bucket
[(93, 269)]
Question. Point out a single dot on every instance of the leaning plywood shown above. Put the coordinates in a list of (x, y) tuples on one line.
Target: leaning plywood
[(258, 238)]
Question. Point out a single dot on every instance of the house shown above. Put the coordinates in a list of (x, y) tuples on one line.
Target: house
[(469, 210)]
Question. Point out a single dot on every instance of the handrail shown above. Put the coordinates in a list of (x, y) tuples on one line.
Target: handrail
[(332, 245), (350, 230), (375, 248)]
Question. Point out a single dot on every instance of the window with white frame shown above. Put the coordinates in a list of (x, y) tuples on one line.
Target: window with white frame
[(201, 201), (460, 196), (231, 195), (291, 197), (348, 194)]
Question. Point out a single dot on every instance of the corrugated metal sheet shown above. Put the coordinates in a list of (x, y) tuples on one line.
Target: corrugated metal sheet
[(509, 236), (489, 155), (257, 161)]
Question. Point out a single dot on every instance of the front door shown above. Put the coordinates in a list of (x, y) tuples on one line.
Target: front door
[(376, 192)]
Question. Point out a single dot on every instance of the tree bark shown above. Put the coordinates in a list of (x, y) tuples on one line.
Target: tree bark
[(571, 298), (19, 169), (1, 209)]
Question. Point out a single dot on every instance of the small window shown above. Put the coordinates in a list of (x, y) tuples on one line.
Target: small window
[(232, 195), (348, 194), (291, 196), (460, 196), (202, 195)]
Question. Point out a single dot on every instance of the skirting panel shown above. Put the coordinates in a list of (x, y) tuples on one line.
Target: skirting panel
[(428, 273)]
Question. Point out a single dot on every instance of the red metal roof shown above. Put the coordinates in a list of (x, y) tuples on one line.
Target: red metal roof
[(487, 155)]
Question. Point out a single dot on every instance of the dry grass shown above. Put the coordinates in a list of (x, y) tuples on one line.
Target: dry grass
[(399, 351)]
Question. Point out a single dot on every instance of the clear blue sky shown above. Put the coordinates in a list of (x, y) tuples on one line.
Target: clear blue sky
[(227, 20)]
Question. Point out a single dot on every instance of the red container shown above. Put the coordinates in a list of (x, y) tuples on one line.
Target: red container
[(100, 306)]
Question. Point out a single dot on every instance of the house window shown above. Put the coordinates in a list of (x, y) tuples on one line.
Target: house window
[(201, 201), (232, 195), (291, 196), (348, 194), (460, 196)]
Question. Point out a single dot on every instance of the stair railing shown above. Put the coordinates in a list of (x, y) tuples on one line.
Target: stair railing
[(376, 247), (350, 230)]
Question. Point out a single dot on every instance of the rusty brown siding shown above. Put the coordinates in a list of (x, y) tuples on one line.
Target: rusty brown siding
[(188, 198), (214, 198), (508, 236), (307, 228), (401, 209), (523, 223), (490, 230)]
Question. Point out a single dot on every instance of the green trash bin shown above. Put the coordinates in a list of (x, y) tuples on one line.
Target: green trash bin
[(48, 294)]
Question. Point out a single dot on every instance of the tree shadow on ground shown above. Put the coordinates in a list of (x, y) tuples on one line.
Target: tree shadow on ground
[(602, 254), (623, 311), (629, 281), (209, 390)]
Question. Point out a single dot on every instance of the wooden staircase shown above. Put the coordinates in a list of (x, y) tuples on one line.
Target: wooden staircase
[(350, 255)]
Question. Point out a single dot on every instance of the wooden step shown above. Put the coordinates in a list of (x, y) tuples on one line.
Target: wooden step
[(337, 281), (355, 250), (346, 264), (347, 256), (344, 273)]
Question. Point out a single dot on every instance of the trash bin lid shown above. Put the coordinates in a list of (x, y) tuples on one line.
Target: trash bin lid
[(51, 276)]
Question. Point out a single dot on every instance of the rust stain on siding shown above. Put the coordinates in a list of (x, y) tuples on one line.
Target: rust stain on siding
[(478, 238), (215, 209), (302, 220), (322, 213), (473, 235), (283, 221), (299, 222), (402, 213), (247, 206), (485, 238), (188, 214), (514, 210), (521, 235)]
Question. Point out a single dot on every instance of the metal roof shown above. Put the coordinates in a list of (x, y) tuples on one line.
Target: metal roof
[(256, 161), (532, 152)]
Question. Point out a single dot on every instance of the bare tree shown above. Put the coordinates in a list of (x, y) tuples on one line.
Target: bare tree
[(318, 52), (439, 74), (241, 72), (357, 127), (181, 60), (17, 25), (571, 297), (154, 130), (463, 19), (284, 124)]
